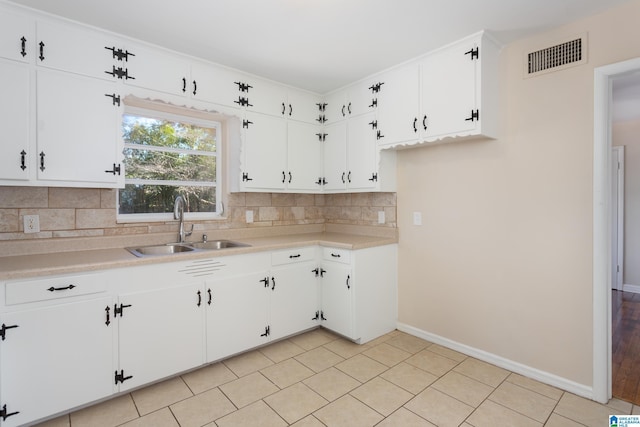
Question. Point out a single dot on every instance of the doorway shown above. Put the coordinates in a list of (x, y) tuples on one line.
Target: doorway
[(602, 225)]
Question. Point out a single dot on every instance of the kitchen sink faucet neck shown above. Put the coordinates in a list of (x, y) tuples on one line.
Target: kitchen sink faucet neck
[(178, 213)]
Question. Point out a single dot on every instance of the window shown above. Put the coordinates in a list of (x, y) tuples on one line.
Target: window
[(166, 155)]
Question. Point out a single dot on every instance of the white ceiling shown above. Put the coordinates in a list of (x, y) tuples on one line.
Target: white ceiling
[(318, 45)]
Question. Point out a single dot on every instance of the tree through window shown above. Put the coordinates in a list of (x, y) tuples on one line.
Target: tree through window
[(165, 156)]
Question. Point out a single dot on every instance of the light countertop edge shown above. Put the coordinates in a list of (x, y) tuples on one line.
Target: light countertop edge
[(50, 264)]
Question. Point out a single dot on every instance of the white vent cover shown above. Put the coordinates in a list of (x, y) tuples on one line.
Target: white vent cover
[(568, 53)]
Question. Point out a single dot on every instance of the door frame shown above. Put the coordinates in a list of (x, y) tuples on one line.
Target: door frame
[(617, 220), (603, 77)]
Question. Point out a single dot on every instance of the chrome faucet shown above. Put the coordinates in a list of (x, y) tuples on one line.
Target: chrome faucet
[(178, 213)]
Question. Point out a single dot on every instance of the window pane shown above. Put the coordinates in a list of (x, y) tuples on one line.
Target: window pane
[(170, 134), (160, 198), (162, 165)]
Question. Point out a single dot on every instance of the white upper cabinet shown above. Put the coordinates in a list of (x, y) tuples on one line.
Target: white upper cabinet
[(352, 101), (17, 36), (304, 157), (154, 69), (302, 106), (78, 131), (399, 118), (77, 50), (16, 158), (261, 96)]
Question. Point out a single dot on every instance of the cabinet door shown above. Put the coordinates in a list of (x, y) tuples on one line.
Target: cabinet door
[(361, 98), (294, 300), (56, 358), (361, 153), (160, 71), (213, 84), (335, 156), (303, 106), (161, 333), (448, 91), (336, 108), (15, 156), (78, 129), (399, 119), (237, 315), (77, 50), (266, 97), (337, 306), (304, 156), (265, 152), (17, 37)]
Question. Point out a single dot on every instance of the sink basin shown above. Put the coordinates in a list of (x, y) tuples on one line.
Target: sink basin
[(217, 244), (160, 249), (176, 248)]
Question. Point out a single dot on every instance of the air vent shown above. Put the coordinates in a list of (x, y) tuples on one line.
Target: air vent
[(558, 57), (201, 268)]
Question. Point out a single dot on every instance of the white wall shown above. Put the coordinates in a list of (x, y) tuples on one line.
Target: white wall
[(503, 263), (628, 134)]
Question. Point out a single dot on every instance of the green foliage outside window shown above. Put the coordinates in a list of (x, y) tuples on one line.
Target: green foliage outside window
[(165, 158)]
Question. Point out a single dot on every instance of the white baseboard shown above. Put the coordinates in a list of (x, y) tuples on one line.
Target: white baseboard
[(631, 288), (527, 371)]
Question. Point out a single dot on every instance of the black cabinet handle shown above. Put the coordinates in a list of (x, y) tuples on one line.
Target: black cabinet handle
[(290, 110), (290, 177), (349, 108), (294, 256), (184, 85), (41, 57), (273, 280), (195, 87), (424, 122), (284, 108), (415, 124), (42, 168), (210, 297), (199, 299), (23, 159), (107, 310), (343, 174), (23, 43), (343, 111), (335, 255), (349, 177), (284, 177), (64, 288), (348, 280)]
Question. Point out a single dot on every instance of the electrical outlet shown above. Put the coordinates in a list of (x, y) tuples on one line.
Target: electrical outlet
[(249, 217), (417, 218), (381, 218), (31, 223)]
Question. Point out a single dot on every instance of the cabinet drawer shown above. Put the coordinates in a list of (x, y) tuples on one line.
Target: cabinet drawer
[(293, 255), (53, 288), (338, 255)]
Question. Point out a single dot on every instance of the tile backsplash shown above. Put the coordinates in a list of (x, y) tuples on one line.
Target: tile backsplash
[(86, 212)]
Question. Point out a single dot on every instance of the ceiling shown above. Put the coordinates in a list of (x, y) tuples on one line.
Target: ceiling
[(319, 45)]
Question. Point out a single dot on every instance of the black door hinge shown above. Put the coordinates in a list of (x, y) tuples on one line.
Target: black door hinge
[(322, 106), (376, 87), (245, 177), (115, 98), (120, 73), (317, 316), (118, 310), (319, 272), (243, 102), (321, 181), (243, 87), (3, 330), (475, 116), (118, 53), (475, 53), (267, 332), (246, 123), (321, 119), (265, 281), (116, 169), (374, 124), (379, 134), (4, 414), (120, 378), (374, 177), (321, 136), (374, 103), (322, 316)]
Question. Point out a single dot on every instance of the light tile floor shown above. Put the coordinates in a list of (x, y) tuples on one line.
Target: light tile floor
[(320, 379)]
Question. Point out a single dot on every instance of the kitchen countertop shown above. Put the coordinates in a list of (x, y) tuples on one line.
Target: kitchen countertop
[(25, 266)]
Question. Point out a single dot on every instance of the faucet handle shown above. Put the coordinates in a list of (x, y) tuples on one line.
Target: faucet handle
[(204, 238), (189, 233)]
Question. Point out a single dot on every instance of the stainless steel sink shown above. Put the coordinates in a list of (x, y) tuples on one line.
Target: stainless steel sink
[(217, 244), (160, 250), (177, 248)]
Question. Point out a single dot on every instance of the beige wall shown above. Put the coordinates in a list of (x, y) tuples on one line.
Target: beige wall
[(503, 262), (627, 134)]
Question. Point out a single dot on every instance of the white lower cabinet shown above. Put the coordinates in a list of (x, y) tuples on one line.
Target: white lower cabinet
[(160, 333), (54, 358), (237, 315), (71, 340)]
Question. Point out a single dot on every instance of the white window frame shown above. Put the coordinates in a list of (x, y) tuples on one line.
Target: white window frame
[(218, 184)]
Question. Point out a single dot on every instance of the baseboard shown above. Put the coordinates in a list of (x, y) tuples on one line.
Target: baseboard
[(631, 288), (527, 371)]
